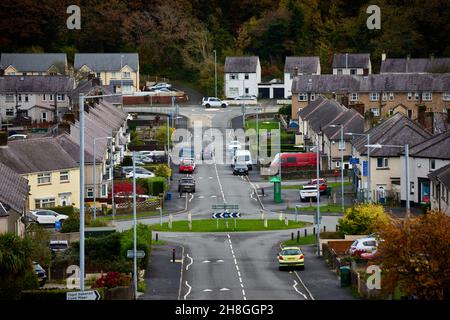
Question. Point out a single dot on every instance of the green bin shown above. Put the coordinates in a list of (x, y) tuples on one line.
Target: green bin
[(328, 192), (345, 276)]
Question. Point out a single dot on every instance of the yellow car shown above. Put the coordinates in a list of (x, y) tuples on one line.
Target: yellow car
[(291, 257)]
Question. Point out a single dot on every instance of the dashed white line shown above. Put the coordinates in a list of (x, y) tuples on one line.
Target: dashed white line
[(242, 285), (192, 261), (189, 291)]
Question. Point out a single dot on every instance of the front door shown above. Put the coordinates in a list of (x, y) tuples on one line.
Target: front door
[(424, 190), (64, 199)]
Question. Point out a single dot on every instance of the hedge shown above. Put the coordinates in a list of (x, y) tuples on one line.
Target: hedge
[(144, 242), (154, 186)]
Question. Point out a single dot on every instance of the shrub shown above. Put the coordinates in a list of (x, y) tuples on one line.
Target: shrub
[(154, 186), (127, 161), (162, 170), (112, 280), (67, 210), (362, 219), (144, 242)]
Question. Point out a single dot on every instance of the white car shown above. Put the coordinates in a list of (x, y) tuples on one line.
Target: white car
[(213, 102), (59, 245), (48, 216), (160, 85), (140, 173), (308, 192), (17, 137), (363, 245)]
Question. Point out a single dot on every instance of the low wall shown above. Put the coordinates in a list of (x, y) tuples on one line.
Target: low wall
[(69, 236)]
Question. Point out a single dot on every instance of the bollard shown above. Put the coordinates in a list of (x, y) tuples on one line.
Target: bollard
[(286, 222), (280, 217), (262, 214), (314, 230), (306, 233), (156, 237), (173, 255), (298, 235), (190, 225), (265, 223), (189, 216), (292, 236), (170, 222)]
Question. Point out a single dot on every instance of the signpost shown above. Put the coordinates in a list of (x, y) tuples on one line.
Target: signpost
[(226, 214), (354, 161), (139, 254), (83, 295), (365, 168)]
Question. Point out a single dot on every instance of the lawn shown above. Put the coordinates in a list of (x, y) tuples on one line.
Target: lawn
[(262, 124), (129, 216), (311, 239), (210, 225), (323, 208)]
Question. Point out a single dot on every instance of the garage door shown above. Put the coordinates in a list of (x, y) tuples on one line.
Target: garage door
[(263, 93), (278, 93)]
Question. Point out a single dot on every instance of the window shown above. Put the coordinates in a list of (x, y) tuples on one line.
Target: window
[(98, 74), (234, 76), (291, 160), (61, 97), (127, 88), (354, 96), (45, 203), (51, 97), (410, 96), (113, 74), (375, 112), (411, 187), (353, 71), (90, 192), (126, 74), (26, 98), (44, 97), (312, 96), (446, 96), (432, 164), (391, 96), (416, 96), (64, 176), (9, 98), (246, 76), (374, 96), (19, 97), (44, 116), (104, 190), (234, 92), (44, 178), (382, 162), (246, 90), (410, 114), (427, 96), (10, 112), (384, 97), (338, 164), (391, 112), (339, 71), (302, 97)]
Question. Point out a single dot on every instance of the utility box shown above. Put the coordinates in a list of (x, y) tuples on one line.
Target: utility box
[(276, 189), (345, 276)]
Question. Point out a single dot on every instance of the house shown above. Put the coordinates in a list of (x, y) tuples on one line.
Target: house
[(295, 66), (13, 201), (52, 174), (119, 70), (378, 95), (408, 65), (440, 189), (34, 64), (94, 86), (40, 98), (242, 75), (386, 165), (424, 158), (357, 64)]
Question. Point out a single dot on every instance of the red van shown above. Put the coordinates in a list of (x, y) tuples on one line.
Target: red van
[(297, 160)]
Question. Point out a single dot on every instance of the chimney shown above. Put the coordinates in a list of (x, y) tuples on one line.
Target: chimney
[(383, 56), (95, 82), (295, 71), (408, 58), (91, 76), (3, 139)]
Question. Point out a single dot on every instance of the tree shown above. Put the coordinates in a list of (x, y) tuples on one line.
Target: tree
[(415, 256), (362, 219), (39, 240), (163, 170)]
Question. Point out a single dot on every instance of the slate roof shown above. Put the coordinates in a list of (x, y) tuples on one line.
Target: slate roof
[(308, 65), (13, 189), (87, 88), (32, 62), (60, 84), (106, 61), (442, 175), (352, 121), (437, 147), (35, 155), (375, 82), (354, 60), (321, 113), (241, 64), (435, 65), (395, 130)]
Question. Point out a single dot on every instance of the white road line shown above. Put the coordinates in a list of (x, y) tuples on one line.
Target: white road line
[(237, 268), (192, 197), (242, 285), (201, 197), (213, 196), (192, 261), (207, 290), (304, 286), (181, 272), (295, 288), (188, 291), (218, 180)]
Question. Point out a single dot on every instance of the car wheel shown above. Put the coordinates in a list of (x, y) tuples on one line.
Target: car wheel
[(193, 191), (280, 268), (224, 105), (302, 267), (207, 105)]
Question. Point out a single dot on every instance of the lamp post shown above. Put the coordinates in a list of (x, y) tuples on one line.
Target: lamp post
[(369, 186), (94, 174), (406, 147), (281, 153), (342, 147), (121, 76), (215, 73), (134, 229), (318, 195), (112, 180)]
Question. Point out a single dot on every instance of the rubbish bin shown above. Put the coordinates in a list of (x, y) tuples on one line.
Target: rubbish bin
[(345, 276), (169, 196), (328, 192)]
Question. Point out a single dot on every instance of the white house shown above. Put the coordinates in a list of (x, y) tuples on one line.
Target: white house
[(295, 66), (352, 63), (440, 189), (242, 75)]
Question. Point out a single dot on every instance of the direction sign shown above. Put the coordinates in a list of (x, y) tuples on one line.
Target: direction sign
[(354, 161), (365, 168), (139, 253), (225, 206), (226, 215), (83, 295)]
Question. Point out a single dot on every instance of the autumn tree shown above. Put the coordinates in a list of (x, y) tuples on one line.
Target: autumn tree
[(415, 255), (362, 219)]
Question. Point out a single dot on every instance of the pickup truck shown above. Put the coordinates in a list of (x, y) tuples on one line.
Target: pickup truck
[(186, 185), (307, 192), (208, 102)]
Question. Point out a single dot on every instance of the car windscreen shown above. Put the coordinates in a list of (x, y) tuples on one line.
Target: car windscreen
[(187, 181), (290, 252), (58, 246)]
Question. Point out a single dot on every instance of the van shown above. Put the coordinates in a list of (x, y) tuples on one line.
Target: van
[(244, 156), (307, 160)]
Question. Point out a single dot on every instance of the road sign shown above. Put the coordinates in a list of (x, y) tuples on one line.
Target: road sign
[(225, 206), (354, 161), (365, 168), (139, 254), (226, 215), (83, 295)]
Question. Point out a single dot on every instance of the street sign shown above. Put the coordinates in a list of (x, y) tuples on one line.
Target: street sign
[(225, 206), (139, 254), (354, 161), (226, 215), (83, 295), (365, 168)]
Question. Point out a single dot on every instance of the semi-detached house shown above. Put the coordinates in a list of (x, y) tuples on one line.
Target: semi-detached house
[(34, 64)]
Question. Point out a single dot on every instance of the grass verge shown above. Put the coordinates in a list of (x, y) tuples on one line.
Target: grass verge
[(311, 239), (210, 225), (323, 208), (141, 215)]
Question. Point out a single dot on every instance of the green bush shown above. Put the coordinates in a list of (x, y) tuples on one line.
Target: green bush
[(154, 186), (285, 110), (332, 235), (144, 242), (162, 170), (127, 161)]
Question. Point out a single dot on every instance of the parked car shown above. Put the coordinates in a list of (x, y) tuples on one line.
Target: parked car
[(243, 156), (160, 85), (370, 255), (48, 216), (363, 245), (59, 245), (291, 257), (233, 146), (307, 192), (208, 102), (186, 153), (187, 166), (322, 184), (40, 273), (140, 173), (186, 185), (17, 137), (295, 160), (240, 169)]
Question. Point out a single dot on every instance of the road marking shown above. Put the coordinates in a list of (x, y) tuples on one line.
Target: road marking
[(239, 274), (242, 285), (251, 196), (210, 177), (207, 290), (218, 180), (192, 197), (219, 261), (192, 261), (304, 286), (206, 261), (295, 288), (181, 272), (224, 289), (213, 196), (201, 197), (237, 268), (188, 291)]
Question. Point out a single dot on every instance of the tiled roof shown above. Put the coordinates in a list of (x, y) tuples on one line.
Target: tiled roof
[(354, 60), (306, 65), (435, 65), (352, 121), (59, 84), (442, 175), (396, 130), (106, 61), (437, 147), (32, 62), (241, 64), (322, 113), (35, 155), (13, 189), (375, 82)]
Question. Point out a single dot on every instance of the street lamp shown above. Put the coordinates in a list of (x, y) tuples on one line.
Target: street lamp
[(215, 73), (134, 228), (281, 153), (369, 186), (342, 146), (94, 177), (406, 147)]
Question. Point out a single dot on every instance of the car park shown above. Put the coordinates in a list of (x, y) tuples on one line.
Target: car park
[(308, 192), (40, 273), (208, 102), (59, 245), (363, 245), (240, 169), (291, 257), (186, 185), (187, 166), (44, 216)]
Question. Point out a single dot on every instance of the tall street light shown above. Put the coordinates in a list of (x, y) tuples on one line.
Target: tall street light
[(406, 147), (94, 177), (215, 73), (281, 153), (134, 228), (342, 147), (369, 186)]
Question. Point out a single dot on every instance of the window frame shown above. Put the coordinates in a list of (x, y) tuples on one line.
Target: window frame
[(354, 96), (44, 203), (377, 113), (64, 174), (44, 175), (376, 94), (384, 164), (446, 96), (427, 96), (303, 94)]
